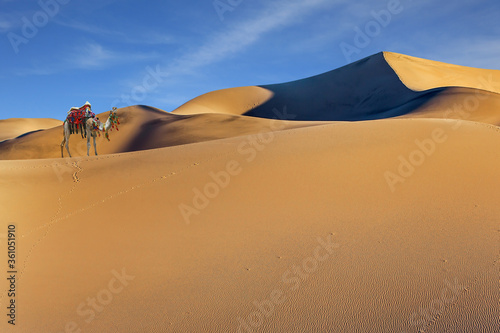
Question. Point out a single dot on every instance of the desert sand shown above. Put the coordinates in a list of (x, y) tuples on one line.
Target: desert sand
[(14, 127), (366, 203)]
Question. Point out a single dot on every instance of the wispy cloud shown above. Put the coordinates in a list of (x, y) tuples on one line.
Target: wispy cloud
[(142, 37), (9, 21), (221, 45), (86, 27), (95, 56), (235, 39), (5, 25), (151, 38), (91, 56), (88, 56)]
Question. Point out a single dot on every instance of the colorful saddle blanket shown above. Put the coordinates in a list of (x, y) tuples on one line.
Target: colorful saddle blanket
[(78, 115)]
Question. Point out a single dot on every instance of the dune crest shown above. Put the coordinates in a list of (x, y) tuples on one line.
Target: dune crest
[(236, 101), (421, 74), (14, 127)]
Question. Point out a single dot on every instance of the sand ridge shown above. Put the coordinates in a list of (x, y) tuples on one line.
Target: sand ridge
[(14, 127), (421, 74)]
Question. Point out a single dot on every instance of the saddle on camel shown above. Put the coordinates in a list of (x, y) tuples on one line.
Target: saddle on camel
[(77, 119)]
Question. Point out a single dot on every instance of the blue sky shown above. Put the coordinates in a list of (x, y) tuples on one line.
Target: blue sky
[(56, 54)]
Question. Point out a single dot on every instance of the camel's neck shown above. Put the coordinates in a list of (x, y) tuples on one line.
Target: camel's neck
[(107, 124)]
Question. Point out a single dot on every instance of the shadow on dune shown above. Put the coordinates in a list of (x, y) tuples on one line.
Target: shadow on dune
[(365, 90), (152, 134), (28, 133)]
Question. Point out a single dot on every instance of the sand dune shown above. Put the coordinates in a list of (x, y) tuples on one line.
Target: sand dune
[(236, 101), (423, 256), (380, 86), (421, 74), (461, 103), (141, 128), (14, 127), (366, 89), (217, 218)]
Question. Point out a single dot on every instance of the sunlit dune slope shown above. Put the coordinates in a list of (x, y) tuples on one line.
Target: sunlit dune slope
[(461, 103), (14, 127), (421, 74)]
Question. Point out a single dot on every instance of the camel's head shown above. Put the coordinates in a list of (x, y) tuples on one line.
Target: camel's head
[(113, 121), (113, 117)]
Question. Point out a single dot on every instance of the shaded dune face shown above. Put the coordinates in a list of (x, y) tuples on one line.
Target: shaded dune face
[(365, 90)]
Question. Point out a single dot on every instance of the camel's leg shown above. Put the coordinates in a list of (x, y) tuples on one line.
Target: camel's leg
[(65, 141), (88, 146), (62, 146), (95, 147), (67, 145)]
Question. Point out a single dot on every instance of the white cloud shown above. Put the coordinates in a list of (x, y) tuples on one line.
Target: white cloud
[(89, 56), (5, 25), (95, 56), (141, 37), (9, 21), (234, 39), (86, 27), (223, 44)]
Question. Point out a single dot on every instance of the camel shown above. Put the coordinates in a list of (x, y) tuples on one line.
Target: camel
[(76, 118), (93, 128)]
